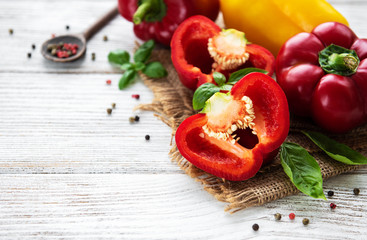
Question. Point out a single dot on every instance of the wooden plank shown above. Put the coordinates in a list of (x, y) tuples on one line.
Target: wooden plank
[(172, 206)]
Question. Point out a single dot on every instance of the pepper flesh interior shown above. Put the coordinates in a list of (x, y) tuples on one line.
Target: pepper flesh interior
[(226, 116), (228, 49)]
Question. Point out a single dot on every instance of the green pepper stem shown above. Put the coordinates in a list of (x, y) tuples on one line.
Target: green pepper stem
[(150, 11), (142, 11), (343, 61)]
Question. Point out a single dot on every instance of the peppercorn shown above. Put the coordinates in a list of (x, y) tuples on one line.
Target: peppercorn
[(131, 119), (29, 55), (109, 110), (108, 81), (113, 105), (33, 46), (105, 38), (292, 216), (305, 221), (332, 205), (11, 31), (330, 193), (67, 27), (136, 96), (137, 118), (147, 137), (93, 56), (277, 216), (255, 227), (356, 191)]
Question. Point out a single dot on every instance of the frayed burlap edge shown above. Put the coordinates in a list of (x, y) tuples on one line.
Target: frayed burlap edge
[(172, 104)]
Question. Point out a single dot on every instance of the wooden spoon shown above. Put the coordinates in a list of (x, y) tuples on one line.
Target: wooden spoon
[(79, 38)]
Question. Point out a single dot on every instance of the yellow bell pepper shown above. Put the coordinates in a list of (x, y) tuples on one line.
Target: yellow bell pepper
[(272, 22)]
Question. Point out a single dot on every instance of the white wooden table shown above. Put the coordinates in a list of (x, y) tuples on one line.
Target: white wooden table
[(69, 170)]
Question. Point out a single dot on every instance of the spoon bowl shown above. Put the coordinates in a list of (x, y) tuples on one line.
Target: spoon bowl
[(78, 39)]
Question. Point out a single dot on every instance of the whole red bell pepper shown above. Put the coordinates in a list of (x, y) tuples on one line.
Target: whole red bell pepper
[(324, 75), (199, 47), (236, 131), (158, 19)]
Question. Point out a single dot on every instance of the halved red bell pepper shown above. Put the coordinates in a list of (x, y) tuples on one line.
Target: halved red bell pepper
[(324, 75), (199, 47), (237, 130), (158, 19)]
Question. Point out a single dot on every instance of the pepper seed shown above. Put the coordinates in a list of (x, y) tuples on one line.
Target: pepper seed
[(305, 221), (356, 191), (93, 56), (105, 38), (67, 27), (255, 227), (33, 46), (292, 216), (332, 205), (131, 119), (277, 216), (147, 137), (109, 110), (137, 118), (113, 105), (11, 31), (29, 55), (330, 193)]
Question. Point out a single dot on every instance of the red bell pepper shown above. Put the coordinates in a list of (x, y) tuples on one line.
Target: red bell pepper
[(158, 19), (324, 75), (237, 130), (199, 47)]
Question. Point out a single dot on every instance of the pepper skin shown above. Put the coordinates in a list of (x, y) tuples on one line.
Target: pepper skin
[(236, 131), (194, 62), (158, 19), (332, 89), (272, 22)]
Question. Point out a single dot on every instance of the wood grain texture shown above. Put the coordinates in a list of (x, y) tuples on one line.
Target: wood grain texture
[(68, 170)]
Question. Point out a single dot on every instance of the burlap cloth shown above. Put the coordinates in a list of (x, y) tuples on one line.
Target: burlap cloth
[(172, 104)]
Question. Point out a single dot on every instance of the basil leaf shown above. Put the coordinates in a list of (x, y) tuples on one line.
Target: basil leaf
[(302, 169), (127, 78), (119, 57), (226, 87), (335, 150), (202, 94), (219, 78), (144, 51), (139, 66), (126, 66), (155, 70), (234, 77)]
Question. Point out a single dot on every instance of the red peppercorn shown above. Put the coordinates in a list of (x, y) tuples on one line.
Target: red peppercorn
[(292, 216), (332, 205), (108, 81), (53, 35), (136, 96)]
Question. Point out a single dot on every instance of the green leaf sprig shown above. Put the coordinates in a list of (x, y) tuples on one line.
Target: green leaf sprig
[(206, 90), (302, 168), (121, 59)]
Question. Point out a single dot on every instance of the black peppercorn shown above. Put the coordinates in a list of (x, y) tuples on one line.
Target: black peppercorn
[(33, 46), (67, 27), (330, 193), (147, 137), (305, 221), (356, 191), (277, 216), (109, 110), (93, 56), (137, 118), (29, 55), (105, 38), (11, 31), (255, 227)]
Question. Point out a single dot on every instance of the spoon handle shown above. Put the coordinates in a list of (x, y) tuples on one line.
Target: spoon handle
[(100, 23)]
